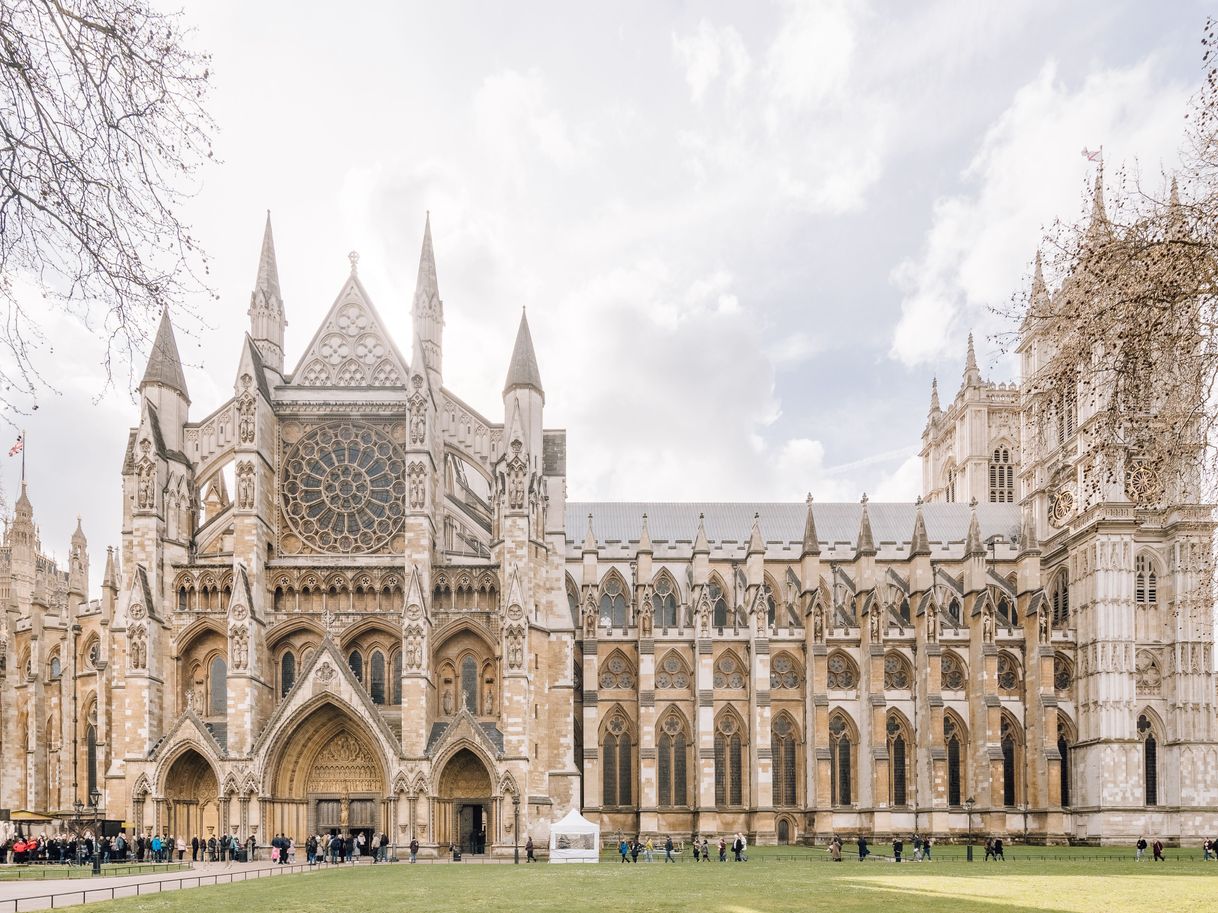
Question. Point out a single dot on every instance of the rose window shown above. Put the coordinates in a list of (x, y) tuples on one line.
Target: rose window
[(783, 674), (344, 488)]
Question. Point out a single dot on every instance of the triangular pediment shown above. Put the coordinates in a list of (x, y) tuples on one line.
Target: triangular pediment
[(352, 347), (464, 729), (190, 728)]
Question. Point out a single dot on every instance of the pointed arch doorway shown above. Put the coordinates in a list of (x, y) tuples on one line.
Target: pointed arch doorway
[(465, 802)]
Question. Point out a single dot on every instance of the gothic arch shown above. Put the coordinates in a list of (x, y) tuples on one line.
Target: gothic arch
[(1012, 745), (673, 673), (730, 672), (674, 757), (310, 736), (666, 600), (193, 631), (786, 754), (955, 744), (277, 634), (786, 673), (185, 746), (843, 671), (614, 599), (617, 671), (721, 612), (900, 742), (843, 758), (731, 758)]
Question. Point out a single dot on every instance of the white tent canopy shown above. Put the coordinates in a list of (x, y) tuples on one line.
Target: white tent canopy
[(575, 839)]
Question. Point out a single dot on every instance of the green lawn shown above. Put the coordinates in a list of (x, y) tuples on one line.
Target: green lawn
[(769, 883), (45, 871)]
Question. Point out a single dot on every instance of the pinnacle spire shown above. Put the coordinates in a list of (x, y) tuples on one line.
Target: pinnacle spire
[(811, 544), (866, 541), (934, 395), (589, 538), (110, 578), (973, 545), (164, 363), (701, 543), (920, 543), (1039, 290), (78, 535), (523, 371), (427, 312), (24, 509), (268, 269), (756, 541), (1099, 226), (1176, 228), (644, 538), (972, 374), (1027, 534), (266, 304)]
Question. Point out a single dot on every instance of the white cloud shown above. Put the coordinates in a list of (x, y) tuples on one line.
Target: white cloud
[(709, 52), (977, 249), (514, 115), (810, 59)]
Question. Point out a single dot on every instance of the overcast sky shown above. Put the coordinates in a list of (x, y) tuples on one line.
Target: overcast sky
[(747, 234)]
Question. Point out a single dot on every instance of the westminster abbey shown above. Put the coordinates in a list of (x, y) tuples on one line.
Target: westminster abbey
[(347, 600)]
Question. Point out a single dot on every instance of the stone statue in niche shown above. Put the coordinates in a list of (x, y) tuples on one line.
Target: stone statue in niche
[(446, 702), (418, 493), (516, 485), (987, 626), (932, 624), (645, 623), (488, 700), (245, 416), (818, 624), (418, 420), (239, 640), (1046, 625), (144, 485), (245, 486), (590, 623), (515, 649)]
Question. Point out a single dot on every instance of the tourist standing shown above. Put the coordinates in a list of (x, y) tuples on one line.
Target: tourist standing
[(528, 850), (897, 848), (668, 849), (723, 849), (624, 849), (926, 847), (1140, 847), (864, 852), (705, 851), (414, 850)]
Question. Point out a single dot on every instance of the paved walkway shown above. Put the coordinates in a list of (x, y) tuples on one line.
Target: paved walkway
[(20, 896)]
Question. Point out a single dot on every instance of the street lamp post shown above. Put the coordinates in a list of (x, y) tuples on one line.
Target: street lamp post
[(516, 827), (968, 806), (79, 809)]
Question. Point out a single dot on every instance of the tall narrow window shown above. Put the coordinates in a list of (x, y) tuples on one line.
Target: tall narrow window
[(1002, 477), (949, 486), (953, 611), (376, 677), (671, 762), (1063, 749), (287, 673), (395, 684), (1146, 583), (613, 602), (1010, 762), (217, 687), (729, 762), (91, 757), (1060, 599), (782, 747), (356, 662), (841, 760), (719, 605), (897, 760), (616, 759), (469, 684), (1006, 613), (1150, 760), (624, 769), (955, 750)]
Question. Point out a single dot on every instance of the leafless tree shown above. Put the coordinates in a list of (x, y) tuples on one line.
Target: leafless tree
[(103, 130)]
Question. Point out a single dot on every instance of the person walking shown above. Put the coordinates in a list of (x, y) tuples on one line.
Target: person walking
[(864, 852), (649, 851), (528, 850), (897, 848), (989, 848), (624, 849), (917, 845), (835, 849), (668, 849), (926, 848), (1157, 847), (1140, 847), (414, 850), (194, 848), (636, 847), (723, 849), (705, 851)]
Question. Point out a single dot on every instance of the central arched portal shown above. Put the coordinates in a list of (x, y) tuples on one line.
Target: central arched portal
[(465, 803), (191, 796), (329, 779)]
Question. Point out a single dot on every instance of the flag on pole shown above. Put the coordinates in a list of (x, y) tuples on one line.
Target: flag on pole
[(19, 446), (1096, 155)]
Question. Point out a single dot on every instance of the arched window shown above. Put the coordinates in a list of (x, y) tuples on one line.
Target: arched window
[(217, 690), (783, 673), (729, 672), (183, 599), (1063, 749), (1060, 599), (91, 757), (953, 611), (841, 759), (664, 602), (671, 673), (719, 605), (617, 672), (1002, 477), (56, 667), (953, 677), (1010, 740), (356, 662), (782, 748), (616, 759), (469, 684), (395, 685), (903, 611), (1150, 760), (573, 603), (1006, 612), (287, 673), (1063, 674), (949, 485), (672, 761), (898, 673), (613, 602), (376, 676), (898, 761), (1146, 583), (729, 761), (953, 740), (1008, 673), (843, 674)]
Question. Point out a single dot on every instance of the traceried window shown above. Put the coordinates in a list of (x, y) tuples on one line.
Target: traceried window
[(729, 673), (953, 676), (841, 757), (617, 760), (949, 487), (56, 668), (1150, 760), (1002, 477), (613, 602), (1146, 582), (672, 761), (376, 677), (843, 676), (729, 762), (672, 674), (1009, 741), (1063, 749), (771, 610), (1063, 675), (1059, 599), (1006, 612), (953, 740), (1008, 673), (898, 761), (718, 605), (897, 673), (344, 488), (469, 684), (617, 673), (783, 675), (782, 747), (664, 602)]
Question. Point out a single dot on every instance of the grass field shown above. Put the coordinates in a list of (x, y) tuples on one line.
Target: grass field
[(771, 882), (48, 871)]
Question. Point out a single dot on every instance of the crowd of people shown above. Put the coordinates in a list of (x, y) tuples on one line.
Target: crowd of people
[(336, 848), (630, 848)]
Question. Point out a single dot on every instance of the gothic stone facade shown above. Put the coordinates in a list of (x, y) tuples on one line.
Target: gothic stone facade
[(345, 599)]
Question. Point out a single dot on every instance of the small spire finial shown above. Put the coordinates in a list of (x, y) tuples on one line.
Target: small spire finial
[(354, 258), (863, 499)]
